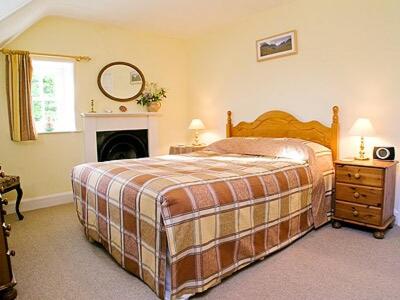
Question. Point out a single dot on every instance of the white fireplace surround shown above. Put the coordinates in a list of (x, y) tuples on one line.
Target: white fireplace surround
[(94, 122)]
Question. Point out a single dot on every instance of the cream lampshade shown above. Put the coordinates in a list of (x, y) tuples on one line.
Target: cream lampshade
[(362, 127), (196, 125)]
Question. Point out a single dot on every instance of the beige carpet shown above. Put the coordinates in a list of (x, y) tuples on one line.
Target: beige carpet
[(54, 261)]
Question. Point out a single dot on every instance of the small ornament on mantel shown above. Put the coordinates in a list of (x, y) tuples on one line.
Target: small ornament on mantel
[(92, 106), (123, 108)]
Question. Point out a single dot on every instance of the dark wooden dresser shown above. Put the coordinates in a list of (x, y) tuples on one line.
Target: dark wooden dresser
[(7, 281), (365, 193)]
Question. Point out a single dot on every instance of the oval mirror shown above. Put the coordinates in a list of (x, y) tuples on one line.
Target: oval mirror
[(121, 81)]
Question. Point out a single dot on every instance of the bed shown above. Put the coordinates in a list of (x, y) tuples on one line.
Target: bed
[(182, 223)]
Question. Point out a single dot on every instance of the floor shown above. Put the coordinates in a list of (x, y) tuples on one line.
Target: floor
[(54, 261)]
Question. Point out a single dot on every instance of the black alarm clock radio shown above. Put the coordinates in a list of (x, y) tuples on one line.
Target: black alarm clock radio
[(384, 153)]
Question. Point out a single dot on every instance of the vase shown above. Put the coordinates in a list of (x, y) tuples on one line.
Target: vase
[(153, 107)]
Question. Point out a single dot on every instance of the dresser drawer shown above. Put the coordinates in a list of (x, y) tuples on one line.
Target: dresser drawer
[(360, 175), (359, 194), (357, 212)]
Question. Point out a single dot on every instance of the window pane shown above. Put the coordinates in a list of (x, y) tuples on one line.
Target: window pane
[(37, 110), (48, 85), (35, 86)]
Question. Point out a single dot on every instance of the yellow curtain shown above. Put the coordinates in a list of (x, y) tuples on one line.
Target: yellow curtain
[(18, 77)]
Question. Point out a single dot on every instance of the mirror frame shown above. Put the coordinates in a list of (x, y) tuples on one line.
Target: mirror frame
[(115, 98)]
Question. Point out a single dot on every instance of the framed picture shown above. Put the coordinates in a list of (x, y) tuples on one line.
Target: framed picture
[(277, 45)]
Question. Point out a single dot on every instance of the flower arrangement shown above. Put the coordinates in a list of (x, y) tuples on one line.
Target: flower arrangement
[(152, 94)]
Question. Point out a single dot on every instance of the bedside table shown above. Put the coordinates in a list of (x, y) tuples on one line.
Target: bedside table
[(182, 149), (365, 194)]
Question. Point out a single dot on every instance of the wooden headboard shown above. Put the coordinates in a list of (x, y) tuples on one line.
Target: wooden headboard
[(282, 124)]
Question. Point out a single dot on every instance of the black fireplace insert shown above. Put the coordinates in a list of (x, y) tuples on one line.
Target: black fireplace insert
[(122, 144)]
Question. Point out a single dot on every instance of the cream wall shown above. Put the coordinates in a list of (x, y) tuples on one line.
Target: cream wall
[(349, 55), (44, 165)]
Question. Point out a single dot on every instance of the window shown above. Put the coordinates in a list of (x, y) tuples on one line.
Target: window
[(53, 96)]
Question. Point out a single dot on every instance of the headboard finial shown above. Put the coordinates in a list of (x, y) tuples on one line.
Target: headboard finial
[(335, 110), (229, 124)]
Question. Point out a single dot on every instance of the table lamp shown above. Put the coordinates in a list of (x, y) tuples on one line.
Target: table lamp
[(362, 127), (196, 125)]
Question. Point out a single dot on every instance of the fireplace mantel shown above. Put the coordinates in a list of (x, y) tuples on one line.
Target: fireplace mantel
[(94, 122), (112, 115)]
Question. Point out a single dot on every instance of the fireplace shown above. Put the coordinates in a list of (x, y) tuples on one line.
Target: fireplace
[(122, 144), (109, 136)]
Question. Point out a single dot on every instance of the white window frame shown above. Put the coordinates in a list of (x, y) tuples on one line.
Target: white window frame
[(72, 126)]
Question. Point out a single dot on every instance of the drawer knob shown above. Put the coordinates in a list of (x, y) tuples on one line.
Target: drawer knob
[(356, 195), (355, 213), (357, 176), (4, 202), (11, 253)]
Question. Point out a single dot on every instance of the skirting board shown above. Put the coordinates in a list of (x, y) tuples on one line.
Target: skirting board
[(40, 202)]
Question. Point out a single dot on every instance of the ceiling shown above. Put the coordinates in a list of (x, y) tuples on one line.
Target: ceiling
[(8, 7), (176, 18), (180, 18)]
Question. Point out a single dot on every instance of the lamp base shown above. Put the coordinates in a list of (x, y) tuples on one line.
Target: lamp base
[(361, 158), (361, 155), (196, 141)]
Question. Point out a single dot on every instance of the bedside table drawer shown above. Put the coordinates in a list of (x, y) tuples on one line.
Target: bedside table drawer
[(357, 212), (359, 194), (360, 175)]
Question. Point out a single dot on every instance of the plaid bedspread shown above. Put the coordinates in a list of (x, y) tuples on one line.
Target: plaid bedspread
[(215, 213)]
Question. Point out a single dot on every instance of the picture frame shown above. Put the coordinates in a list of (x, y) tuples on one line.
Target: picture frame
[(278, 45)]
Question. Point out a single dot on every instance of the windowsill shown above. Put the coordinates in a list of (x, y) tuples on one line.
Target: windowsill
[(55, 132)]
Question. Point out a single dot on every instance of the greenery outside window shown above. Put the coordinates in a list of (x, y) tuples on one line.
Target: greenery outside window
[(53, 96)]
